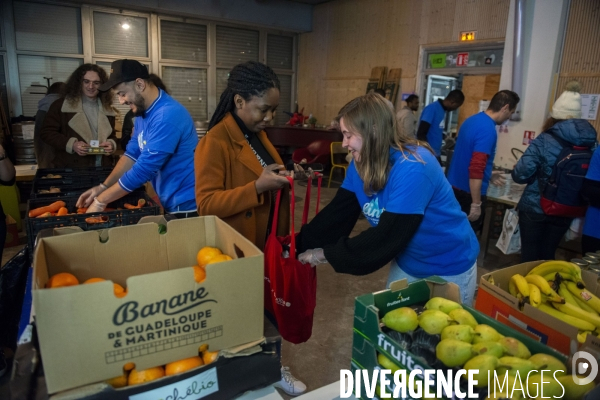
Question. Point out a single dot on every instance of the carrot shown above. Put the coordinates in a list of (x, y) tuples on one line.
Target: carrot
[(62, 211), (97, 220), (82, 210), (54, 207), (140, 204), (44, 215)]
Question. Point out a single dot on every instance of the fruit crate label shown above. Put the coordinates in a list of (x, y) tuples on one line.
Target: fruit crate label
[(196, 387)]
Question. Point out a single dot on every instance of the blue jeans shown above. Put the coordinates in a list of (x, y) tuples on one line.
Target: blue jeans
[(467, 281)]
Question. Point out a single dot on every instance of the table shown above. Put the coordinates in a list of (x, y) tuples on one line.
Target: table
[(25, 172)]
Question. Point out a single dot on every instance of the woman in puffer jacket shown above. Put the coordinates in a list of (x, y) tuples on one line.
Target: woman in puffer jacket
[(541, 233)]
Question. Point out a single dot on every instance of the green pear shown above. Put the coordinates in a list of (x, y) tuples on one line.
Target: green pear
[(386, 363), (513, 364), (459, 332), (402, 319), (514, 347), (544, 387), (485, 333), (547, 362), (463, 317), (573, 391), (441, 304), (484, 363), (493, 348), (453, 352), (433, 321)]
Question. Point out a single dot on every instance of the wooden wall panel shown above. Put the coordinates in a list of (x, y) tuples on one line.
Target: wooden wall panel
[(581, 53), (350, 37), (488, 18)]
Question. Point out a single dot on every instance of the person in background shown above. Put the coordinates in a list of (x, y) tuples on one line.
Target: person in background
[(396, 182), (237, 166), (541, 233), (407, 121), (590, 240), (127, 128), (432, 117), (44, 153), (161, 150), (82, 118), (473, 159)]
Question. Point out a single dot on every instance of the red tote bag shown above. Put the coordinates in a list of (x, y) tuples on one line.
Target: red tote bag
[(290, 286)]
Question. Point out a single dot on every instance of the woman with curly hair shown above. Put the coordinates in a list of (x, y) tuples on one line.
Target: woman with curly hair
[(82, 120)]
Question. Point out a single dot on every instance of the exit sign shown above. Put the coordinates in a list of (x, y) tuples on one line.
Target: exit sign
[(467, 36)]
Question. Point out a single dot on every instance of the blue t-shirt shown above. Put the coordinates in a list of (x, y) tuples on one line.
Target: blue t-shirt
[(591, 226), (444, 243), (434, 114), (162, 145), (477, 134)]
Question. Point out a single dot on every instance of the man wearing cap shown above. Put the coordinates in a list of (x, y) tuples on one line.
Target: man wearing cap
[(161, 149)]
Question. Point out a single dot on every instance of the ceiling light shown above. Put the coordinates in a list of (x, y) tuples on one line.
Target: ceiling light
[(125, 25)]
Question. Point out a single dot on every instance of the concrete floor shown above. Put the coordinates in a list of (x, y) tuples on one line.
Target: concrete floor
[(318, 361)]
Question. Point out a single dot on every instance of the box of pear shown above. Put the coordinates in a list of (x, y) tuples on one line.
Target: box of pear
[(147, 294), (554, 302), (423, 326)]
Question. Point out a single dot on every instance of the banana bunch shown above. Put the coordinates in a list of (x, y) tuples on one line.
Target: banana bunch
[(563, 295)]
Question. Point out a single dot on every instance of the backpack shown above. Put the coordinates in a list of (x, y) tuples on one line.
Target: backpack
[(561, 194)]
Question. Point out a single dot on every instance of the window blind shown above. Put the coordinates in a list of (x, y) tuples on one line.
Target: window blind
[(181, 41), (50, 28), (280, 51), (235, 45), (121, 35), (188, 86), (285, 99), (33, 69), (222, 76)]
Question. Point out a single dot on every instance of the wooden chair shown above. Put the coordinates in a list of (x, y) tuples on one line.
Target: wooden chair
[(336, 148)]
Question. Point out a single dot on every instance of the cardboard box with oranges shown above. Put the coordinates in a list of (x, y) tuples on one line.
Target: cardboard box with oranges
[(87, 334)]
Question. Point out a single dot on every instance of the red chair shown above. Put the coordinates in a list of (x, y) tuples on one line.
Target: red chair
[(316, 152)]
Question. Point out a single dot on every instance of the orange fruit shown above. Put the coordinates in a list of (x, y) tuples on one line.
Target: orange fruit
[(205, 254), (93, 280), (199, 274), (219, 258), (119, 291), (61, 280), (147, 375), (177, 367), (210, 356), (128, 367), (118, 382)]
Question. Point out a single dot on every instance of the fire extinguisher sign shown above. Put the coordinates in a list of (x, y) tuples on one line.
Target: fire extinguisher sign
[(462, 59)]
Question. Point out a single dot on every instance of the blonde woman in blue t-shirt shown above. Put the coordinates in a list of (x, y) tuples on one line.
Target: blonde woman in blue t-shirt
[(397, 183)]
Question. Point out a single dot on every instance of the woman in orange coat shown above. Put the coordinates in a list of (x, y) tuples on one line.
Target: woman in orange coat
[(238, 169)]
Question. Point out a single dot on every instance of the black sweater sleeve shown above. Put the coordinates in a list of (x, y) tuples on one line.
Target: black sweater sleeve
[(422, 131), (375, 247), (334, 221), (591, 192)]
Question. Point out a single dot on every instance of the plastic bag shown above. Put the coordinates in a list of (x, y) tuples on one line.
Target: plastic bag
[(13, 279), (509, 241), (576, 229)]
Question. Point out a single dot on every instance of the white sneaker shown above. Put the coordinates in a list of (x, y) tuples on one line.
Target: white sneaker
[(289, 384)]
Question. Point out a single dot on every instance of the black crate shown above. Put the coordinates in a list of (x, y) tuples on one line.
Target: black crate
[(72, 181), (115, 218)]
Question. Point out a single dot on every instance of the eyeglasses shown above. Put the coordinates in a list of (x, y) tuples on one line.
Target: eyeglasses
[(95, 83)]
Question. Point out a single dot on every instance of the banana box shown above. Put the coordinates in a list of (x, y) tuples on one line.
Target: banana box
[(494, 299), (371, 340)]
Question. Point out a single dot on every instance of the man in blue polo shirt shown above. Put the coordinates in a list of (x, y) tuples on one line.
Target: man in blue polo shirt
[(161, 149), (473, 159), (432, 118)]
